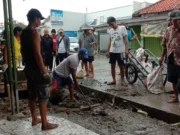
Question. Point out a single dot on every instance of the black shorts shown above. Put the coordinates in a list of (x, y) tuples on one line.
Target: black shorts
[(37, 89), (173, 72), (119, 57), (90, 59)]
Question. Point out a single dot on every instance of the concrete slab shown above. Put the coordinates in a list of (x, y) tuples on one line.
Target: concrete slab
[(134, 93), (23, 127)]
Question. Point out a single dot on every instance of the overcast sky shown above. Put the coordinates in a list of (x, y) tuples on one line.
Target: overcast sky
[(21, 7)]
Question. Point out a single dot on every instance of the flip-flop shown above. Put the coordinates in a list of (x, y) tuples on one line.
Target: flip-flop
[(111, 83), (124, 84)]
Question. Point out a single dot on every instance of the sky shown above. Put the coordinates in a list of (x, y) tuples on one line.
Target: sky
[(21, 7)]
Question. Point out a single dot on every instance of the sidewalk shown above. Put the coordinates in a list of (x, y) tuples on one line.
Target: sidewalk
[(136, 93)]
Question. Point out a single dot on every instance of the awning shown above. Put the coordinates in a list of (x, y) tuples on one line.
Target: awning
[(153, 30)]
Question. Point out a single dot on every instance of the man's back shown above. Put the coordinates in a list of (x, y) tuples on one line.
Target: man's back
[(63, 69)]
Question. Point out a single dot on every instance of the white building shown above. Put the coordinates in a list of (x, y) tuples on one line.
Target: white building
[(72, 21), (100, 17)]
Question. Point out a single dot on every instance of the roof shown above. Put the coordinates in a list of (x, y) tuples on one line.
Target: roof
[(160, 6)]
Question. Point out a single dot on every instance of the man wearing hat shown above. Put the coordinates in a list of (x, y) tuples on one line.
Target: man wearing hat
[(61, 75), (35, 71), (171, 46), (88, 41), (63, 45)]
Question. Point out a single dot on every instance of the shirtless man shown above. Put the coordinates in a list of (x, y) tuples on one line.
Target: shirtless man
[(35, 71)]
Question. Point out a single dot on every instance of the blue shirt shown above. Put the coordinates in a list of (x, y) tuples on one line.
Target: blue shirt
[(128, 37)]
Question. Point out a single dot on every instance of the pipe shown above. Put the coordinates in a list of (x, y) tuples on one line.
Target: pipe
[(8, 44), (13, 53)]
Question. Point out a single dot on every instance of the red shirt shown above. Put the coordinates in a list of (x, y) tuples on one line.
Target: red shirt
[(54, 37)]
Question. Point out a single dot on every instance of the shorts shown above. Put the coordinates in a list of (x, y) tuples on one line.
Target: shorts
[(173, 73), (119, 57), (90, 59), (37, 89), (58, 81)]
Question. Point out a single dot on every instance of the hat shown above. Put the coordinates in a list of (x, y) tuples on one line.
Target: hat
[(84, 52), (17, 29), (175, 15), (86, 27), (53, 31), (34, 13), (61, 30)]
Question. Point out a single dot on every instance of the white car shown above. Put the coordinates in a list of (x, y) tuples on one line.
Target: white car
[(74, 46)]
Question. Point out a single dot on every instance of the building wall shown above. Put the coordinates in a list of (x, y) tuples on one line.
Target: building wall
[(72, 21), (101, 16)]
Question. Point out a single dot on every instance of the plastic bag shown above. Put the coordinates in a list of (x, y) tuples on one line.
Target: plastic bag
[(139, 54), (80, 74), (155, 81)]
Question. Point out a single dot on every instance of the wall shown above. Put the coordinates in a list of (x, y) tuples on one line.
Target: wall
[(72, 21), (116, 12)]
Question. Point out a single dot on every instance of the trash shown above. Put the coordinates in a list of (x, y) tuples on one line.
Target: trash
[(155, 80), (80, 74), (102, 112), (88, 107), (139, 54), (139, 111)]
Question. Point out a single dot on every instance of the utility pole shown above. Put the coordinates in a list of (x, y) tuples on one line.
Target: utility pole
[(86, 15)]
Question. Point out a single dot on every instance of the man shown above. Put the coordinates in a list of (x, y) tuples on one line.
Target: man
[(116, 49), (63, 45), (171, 46), (17, 35), (61, 75), (47, 44), (87, 40), (93, 32), (36, 73), (54, 37)]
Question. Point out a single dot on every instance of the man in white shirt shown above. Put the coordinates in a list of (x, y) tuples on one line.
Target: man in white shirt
[(117, 49), (61, 75), (63, 45)]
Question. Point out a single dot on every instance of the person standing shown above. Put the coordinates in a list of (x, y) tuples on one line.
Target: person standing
[(35, 71), (63, 46), (47, 44), (171, 47), (54, 37), (17, 35), (87, 41), (117, 49)]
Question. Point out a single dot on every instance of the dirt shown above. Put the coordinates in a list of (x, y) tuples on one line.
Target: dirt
[(104, 119)]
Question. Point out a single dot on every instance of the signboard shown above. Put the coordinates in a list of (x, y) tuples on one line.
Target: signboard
[(56, 17), (71, 33)]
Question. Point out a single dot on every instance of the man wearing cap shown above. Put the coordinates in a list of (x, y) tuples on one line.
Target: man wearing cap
[(88, 41), (63, 45), (61, 75), (35, 71), (171, 46)]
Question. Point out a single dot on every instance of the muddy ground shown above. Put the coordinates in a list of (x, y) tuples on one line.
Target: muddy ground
[(104, 119)]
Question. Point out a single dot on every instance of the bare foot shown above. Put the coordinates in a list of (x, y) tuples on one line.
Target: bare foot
[(35, 122), (124, 84), (91, 76), (86, 75), (172, 96), (174, 100), (111, 83), (49, 126)]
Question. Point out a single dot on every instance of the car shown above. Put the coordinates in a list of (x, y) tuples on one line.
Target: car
[(74, 46)]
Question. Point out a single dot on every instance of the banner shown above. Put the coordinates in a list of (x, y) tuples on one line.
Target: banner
[(56, 17), (153, 30), (71, 33)]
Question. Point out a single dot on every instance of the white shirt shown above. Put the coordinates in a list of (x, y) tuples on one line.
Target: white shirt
[(63, 69), (61, 48), (117, 42)]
